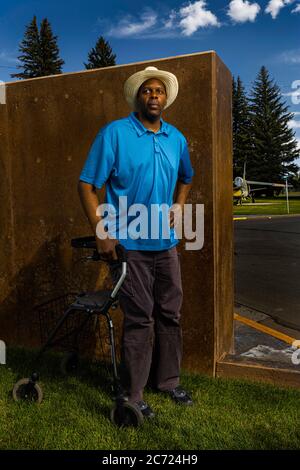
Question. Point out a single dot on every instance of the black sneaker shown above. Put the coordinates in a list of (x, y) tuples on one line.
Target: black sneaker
[(147, 412), (179, 395)]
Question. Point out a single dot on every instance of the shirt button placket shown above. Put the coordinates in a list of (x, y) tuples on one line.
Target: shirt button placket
[(156, 145)]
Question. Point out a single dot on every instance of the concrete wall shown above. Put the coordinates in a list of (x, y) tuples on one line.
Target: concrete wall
[(46, 128)]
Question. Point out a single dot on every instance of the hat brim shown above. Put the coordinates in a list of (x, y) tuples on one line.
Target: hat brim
[(134, 82)]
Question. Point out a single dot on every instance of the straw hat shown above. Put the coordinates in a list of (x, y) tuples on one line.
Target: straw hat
[(134, 82)]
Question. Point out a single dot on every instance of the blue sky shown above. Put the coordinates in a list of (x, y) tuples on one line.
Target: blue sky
[(245, 34)]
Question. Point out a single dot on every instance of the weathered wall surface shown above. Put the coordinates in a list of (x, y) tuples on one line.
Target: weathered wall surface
[(46, 128), (223, 225)]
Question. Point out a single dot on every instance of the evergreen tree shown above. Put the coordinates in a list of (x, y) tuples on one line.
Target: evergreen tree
[(241, 127), (51, 63), (101, 55), (30, 48), (40, 53), (274, 144)]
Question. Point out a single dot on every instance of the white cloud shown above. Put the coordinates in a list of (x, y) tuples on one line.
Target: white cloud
[(242, 11), (290, 57), (188, 19), (195, 16), (297, 9), (128, 26), (274, 6), (184, 21), (170, 22), (293, 124)]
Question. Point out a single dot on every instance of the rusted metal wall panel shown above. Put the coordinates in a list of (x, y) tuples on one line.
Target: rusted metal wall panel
[(49, 125)]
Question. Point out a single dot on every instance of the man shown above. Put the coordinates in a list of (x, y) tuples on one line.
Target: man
[(141, 158)]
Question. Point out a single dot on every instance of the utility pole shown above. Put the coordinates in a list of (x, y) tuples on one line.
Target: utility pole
[(287, 195)]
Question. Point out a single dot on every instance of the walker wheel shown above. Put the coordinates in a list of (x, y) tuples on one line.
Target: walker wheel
[(24, 389), (126, 414), (69, 363)]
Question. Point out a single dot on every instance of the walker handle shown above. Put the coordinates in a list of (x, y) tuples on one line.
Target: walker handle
[(90, 242)]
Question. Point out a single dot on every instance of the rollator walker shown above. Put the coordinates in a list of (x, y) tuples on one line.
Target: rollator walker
[(87, 306)]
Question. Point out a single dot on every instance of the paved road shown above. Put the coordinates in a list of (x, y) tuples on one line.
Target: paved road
[(267, 267)]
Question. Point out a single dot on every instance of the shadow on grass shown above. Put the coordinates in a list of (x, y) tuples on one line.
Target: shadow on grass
[(97, 375)]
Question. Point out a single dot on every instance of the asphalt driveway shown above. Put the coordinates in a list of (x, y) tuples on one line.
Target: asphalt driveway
[(267, 267)]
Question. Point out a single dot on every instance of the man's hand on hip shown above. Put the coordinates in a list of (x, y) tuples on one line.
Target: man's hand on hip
[(106, 248), (175, 214)]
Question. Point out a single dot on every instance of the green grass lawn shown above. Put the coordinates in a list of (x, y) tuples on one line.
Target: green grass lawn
[(278, 206), (227, 414)]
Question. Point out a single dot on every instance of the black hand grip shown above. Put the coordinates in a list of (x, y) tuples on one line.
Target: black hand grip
[(90, 242)]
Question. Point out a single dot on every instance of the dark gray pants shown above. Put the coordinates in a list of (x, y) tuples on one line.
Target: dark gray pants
[(151, 298)]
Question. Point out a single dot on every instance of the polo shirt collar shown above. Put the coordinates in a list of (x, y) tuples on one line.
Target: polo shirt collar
[(141, 129)]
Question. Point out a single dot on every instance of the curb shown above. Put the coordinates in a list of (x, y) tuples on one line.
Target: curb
[(266, 329), (275, 216)]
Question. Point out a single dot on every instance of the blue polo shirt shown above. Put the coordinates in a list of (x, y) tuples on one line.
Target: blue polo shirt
[(144, 166)]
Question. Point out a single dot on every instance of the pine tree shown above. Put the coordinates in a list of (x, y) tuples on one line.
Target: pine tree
[(40, 53), (101, 55), (274, 143), (241, 127), (29, 46), (51, 63)]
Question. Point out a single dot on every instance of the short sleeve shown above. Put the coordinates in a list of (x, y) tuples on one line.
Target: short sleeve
[(99, 162), (185, 171)]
